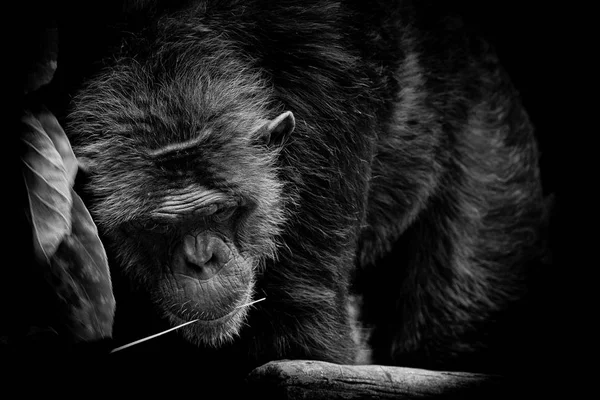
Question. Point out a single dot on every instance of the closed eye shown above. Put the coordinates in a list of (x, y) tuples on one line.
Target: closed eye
[(139, 226), (224, 214)]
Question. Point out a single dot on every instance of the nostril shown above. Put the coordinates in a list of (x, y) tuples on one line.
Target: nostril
[(211, 260), (205, 270), (203, 256), (202, 272)]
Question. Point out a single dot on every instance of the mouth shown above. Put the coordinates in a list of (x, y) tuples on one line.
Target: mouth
[(207, 322), (239, 306), (212, 332)]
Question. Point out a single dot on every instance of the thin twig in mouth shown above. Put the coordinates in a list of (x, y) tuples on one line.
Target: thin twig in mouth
[(172, 329), (252, 302), (151, 337)]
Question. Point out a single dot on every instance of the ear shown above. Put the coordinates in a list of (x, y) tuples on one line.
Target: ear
[(277, 129)]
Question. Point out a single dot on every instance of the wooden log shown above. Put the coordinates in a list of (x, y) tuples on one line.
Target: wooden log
[(302, 379)]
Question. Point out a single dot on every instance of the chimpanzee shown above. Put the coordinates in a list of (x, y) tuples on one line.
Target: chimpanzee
[(365, 167)]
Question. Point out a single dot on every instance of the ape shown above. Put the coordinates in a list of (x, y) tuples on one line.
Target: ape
[(367, 169)]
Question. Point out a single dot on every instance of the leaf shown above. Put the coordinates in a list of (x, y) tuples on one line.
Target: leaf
[(48, 189), (65, 237), (40, 63), (61, 142), (82, 278)]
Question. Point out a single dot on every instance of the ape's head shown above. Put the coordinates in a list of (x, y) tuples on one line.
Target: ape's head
[(183, 183)]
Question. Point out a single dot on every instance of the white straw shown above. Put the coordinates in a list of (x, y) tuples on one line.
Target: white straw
[(151, 337), (172, 329), (252, 302)]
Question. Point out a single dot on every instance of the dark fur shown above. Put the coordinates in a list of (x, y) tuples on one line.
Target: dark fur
[(412, 159)]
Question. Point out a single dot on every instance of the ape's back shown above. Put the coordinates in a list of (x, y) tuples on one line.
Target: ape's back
[(455, 206)]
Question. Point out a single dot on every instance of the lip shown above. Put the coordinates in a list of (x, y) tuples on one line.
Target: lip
[(205, 322), (219, 320)]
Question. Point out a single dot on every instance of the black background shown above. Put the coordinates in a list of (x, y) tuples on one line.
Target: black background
[(533, 43)]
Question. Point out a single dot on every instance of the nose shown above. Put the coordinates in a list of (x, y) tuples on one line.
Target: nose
[(204, 255)]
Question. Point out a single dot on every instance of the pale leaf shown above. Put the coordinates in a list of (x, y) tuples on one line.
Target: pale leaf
[(82, 278), (61, 142), (48, 189)]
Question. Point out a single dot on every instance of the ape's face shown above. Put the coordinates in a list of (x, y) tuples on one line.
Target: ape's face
[(186, 197), (194, 256)]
